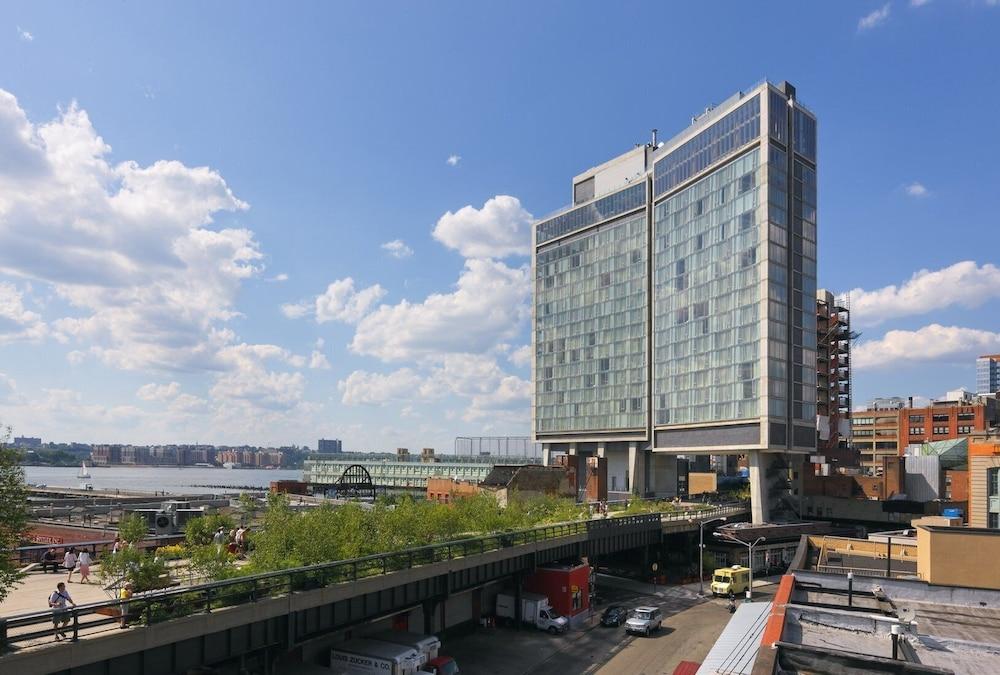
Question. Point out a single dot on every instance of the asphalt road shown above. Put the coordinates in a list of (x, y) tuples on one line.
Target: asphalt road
[(690, 627)]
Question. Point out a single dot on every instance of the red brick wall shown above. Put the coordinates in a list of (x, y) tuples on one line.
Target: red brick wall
[(905, 439)]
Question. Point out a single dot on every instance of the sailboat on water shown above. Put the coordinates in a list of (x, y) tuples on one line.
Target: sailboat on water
[(84, 474)]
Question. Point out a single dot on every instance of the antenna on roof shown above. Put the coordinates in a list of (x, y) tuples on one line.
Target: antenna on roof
[(652, 143)]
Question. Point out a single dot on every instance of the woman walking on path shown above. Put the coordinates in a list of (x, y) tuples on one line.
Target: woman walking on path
[(84, 563), (69, 562)]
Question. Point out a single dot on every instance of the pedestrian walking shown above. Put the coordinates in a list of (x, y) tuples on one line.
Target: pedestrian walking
[(60, 617), (117, 545), (219, 539), (83, 564), (69, 563)]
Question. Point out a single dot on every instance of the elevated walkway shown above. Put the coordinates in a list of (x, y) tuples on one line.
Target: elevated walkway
[(275, 612)]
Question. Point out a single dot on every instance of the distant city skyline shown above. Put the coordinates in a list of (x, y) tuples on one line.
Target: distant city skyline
[(329, 241)]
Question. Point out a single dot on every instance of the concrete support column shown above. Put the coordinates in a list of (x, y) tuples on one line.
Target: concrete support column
[(759, 507), (546, 454), (636, 469)]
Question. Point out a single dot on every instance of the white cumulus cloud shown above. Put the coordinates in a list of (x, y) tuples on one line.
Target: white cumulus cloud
[(133, 249), (965, 284), (24, 35), (318, 361), (875, 18), (499, 229), (364, 388), (397, 248), (521, 357), (340, 302), (930, 343), (158, 392), (488, 306), (17, 322), (916, 189), (453, 160)]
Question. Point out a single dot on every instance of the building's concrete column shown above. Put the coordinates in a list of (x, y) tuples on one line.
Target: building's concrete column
[(636, 469), (759, 508), (546, 454)]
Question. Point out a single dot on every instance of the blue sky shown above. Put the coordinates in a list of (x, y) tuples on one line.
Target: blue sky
[(198, 201)]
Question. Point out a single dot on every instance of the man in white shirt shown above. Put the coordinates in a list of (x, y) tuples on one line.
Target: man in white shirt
[(60, 617)]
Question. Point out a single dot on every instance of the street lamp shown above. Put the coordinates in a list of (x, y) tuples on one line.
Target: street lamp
[(729, 537), (701, 553)]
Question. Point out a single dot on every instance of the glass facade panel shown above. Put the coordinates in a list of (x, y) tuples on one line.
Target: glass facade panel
[(721, 139), (777, 115), (590, 330), (706, 261), (604, 208), (805, 135)]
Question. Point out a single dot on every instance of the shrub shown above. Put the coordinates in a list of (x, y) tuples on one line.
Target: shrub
[(171, 552)]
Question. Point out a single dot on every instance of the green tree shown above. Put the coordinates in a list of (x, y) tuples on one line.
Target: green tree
[(249, 507), (199, 531), (13, 511), (132, 528)]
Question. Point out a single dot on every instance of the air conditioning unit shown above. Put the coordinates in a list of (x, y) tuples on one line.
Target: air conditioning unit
[(163, 522), (149, 515)]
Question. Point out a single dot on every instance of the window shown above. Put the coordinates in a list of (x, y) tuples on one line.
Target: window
[(965, 429), (940, 417), (916, 431), (939, 431), (966, 416), (916, 418)]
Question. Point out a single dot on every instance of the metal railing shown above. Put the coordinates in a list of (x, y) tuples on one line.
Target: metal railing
[(23, 555), (157, 606)]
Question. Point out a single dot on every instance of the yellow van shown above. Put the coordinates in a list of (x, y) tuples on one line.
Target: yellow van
[(726, 580)]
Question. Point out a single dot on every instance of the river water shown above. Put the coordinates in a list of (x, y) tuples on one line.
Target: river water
[(159, 478)]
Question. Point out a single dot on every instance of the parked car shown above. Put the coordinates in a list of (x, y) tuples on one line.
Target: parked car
[(644, 620), (615, 615)]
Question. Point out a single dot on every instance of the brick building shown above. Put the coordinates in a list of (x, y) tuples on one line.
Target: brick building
[(956, 415), (876, 435), (447, 490)]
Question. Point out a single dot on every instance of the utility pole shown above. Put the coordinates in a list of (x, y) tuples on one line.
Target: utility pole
[(701, 553), (749, 546)]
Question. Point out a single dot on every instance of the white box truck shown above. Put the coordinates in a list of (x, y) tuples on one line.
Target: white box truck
[(371, 657), (535, 610), (429, 647)]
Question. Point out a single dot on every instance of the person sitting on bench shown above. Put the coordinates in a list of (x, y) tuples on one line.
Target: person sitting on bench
[(50, 560)]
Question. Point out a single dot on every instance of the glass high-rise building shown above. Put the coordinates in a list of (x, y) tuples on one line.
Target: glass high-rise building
[(988, 374), (674, 306)]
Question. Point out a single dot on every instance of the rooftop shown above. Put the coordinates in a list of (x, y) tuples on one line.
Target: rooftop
[(824, 626)]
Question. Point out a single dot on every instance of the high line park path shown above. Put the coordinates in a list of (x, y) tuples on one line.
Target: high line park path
[(266, 616)]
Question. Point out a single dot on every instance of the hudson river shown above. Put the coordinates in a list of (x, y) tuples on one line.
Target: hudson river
[(159, 478)]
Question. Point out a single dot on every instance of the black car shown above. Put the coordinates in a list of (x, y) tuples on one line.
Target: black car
[(614, 616)]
